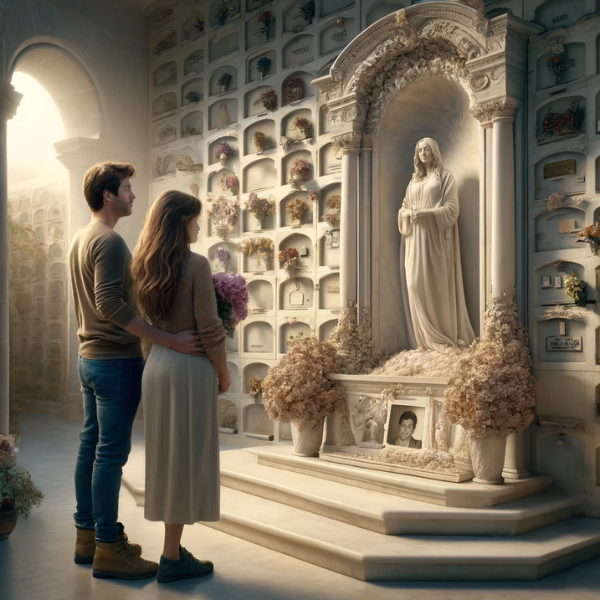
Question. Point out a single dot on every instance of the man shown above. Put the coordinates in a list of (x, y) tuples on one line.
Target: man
[(110, 368), (406, 427)]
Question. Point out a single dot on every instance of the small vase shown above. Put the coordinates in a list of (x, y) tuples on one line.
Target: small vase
[(307, 440), (225, 265), (487, 458), (8, 522), (223, 88)]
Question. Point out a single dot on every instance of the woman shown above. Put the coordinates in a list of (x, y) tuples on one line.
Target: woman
[(428, 222), (175, 292)]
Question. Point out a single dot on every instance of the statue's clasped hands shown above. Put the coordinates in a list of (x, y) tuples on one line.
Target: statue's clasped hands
[(416, 213)]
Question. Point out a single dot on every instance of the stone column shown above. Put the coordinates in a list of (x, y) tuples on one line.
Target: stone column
[(350, 146), (77, 155), (9, 102)]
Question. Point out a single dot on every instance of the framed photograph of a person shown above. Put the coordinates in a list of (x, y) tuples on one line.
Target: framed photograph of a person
[(405, 424)]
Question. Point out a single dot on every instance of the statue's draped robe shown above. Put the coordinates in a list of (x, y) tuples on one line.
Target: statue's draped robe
[(433, 273)]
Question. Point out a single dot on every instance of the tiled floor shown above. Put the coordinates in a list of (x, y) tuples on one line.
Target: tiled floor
[(36, 562)]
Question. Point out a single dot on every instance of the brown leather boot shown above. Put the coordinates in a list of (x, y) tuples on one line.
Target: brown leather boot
[(118, 561), (85, 545)]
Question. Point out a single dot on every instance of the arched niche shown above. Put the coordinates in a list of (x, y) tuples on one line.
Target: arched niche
[(545, 78), (24, 218), (261, 28), (381, 9), (260, 293), (562, 456), (56, 250), (58, 271), (164, 41), (570, 109), (38, 330), (228, 414), (329, 292), (214, 85), (332, 189), (55, 211), (251, 224), (297, 16), (223, 112), (39, 307), (329, 248), (255, 263), (330, 162), (234, 373), (192, 124), (164, 165), (55, 231), (285, 219), (39, 216), (259, 175), (37, 352), (222, 13), (54, 352), (222, 46), (334, 37), (296, 294), (56, 307), (550, 329), (287, 162), (193, 63), (192, 92), (164, 133), (165, 74), (297, 87), (326, 329), (233, 262), (556, 13), (264, 126), (217, 182), (192, 27), (252, 63), (55, 331), (298, 51), (324, 124), (253, 369), (550, 283), (233, 343), (304, 245), (256, 420), (293, 329), (258, 338), (39, 234), (252, 104), (561, 172), (548, 225), (229, 139), (289, 129)]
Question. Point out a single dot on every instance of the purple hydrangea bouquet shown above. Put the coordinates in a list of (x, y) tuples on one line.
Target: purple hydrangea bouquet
[(232, 299)]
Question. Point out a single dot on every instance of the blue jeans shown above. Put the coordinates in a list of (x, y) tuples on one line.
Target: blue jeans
[(111, 395)]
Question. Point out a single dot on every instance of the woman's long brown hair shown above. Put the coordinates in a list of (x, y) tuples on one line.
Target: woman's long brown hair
[(162, 252)]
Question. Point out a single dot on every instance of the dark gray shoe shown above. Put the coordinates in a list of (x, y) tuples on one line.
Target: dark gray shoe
[(187, 567)]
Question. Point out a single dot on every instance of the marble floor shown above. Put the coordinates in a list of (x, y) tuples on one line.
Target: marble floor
[(36, 562)]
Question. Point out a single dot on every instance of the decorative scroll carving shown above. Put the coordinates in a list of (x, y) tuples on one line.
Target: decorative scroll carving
[(504, 107), (347, 141), (562, 312)]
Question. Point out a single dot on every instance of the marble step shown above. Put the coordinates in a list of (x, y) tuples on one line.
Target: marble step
[(460, 495), (370, 556), (387, 514)]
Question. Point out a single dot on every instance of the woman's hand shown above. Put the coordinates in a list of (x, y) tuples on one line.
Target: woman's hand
[(417, 214), (224, 382)]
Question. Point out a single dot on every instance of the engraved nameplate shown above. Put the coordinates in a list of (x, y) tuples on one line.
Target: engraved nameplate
[(566, 226), (559, 169), (564, 343)]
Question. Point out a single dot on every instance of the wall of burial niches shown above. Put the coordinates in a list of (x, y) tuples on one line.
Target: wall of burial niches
[(563, 129), (209, 64)]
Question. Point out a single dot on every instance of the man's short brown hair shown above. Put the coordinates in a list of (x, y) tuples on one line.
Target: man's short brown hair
[(104, 176)]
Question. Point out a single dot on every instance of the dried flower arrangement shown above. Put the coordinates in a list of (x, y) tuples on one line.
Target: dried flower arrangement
[(260, 207), (308, 10), (193, 96), (255, 387), (232, 183), (166, 132), (223, 256), (294, 90), (334, 204), (313, 195), (268, 99), (263, 64), (228, 416), (297, 388), (224, 80), (232, 300), (575, 288), (300, 171), (223, 151), (167, 105), (296, 209), (261, 141), (555, 200), (559, 265), (224, 214), (186, 163), (265, 18), (303, 125), (569, 122), (558, 63), (491, 391), (591, 235), (261, 246), (289, 258)]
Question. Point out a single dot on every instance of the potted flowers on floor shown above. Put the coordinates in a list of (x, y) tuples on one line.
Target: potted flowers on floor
[(18, 493), (297, 390)]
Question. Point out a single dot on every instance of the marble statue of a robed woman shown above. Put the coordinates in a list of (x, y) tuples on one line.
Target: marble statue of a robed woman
[(428, 223)]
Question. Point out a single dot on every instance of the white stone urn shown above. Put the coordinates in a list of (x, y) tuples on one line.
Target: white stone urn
[(487, 458), (307, 438)]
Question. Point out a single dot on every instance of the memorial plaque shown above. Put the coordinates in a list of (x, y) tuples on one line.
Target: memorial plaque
[(564, 343), (559, 169), (566, 226)]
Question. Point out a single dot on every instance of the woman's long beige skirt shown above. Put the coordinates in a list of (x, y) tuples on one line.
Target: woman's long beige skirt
[(180, 397)]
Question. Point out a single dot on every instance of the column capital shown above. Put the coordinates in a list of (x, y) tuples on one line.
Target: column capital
[(9, 101), (347, 143), (498, 108), (77, 152)]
